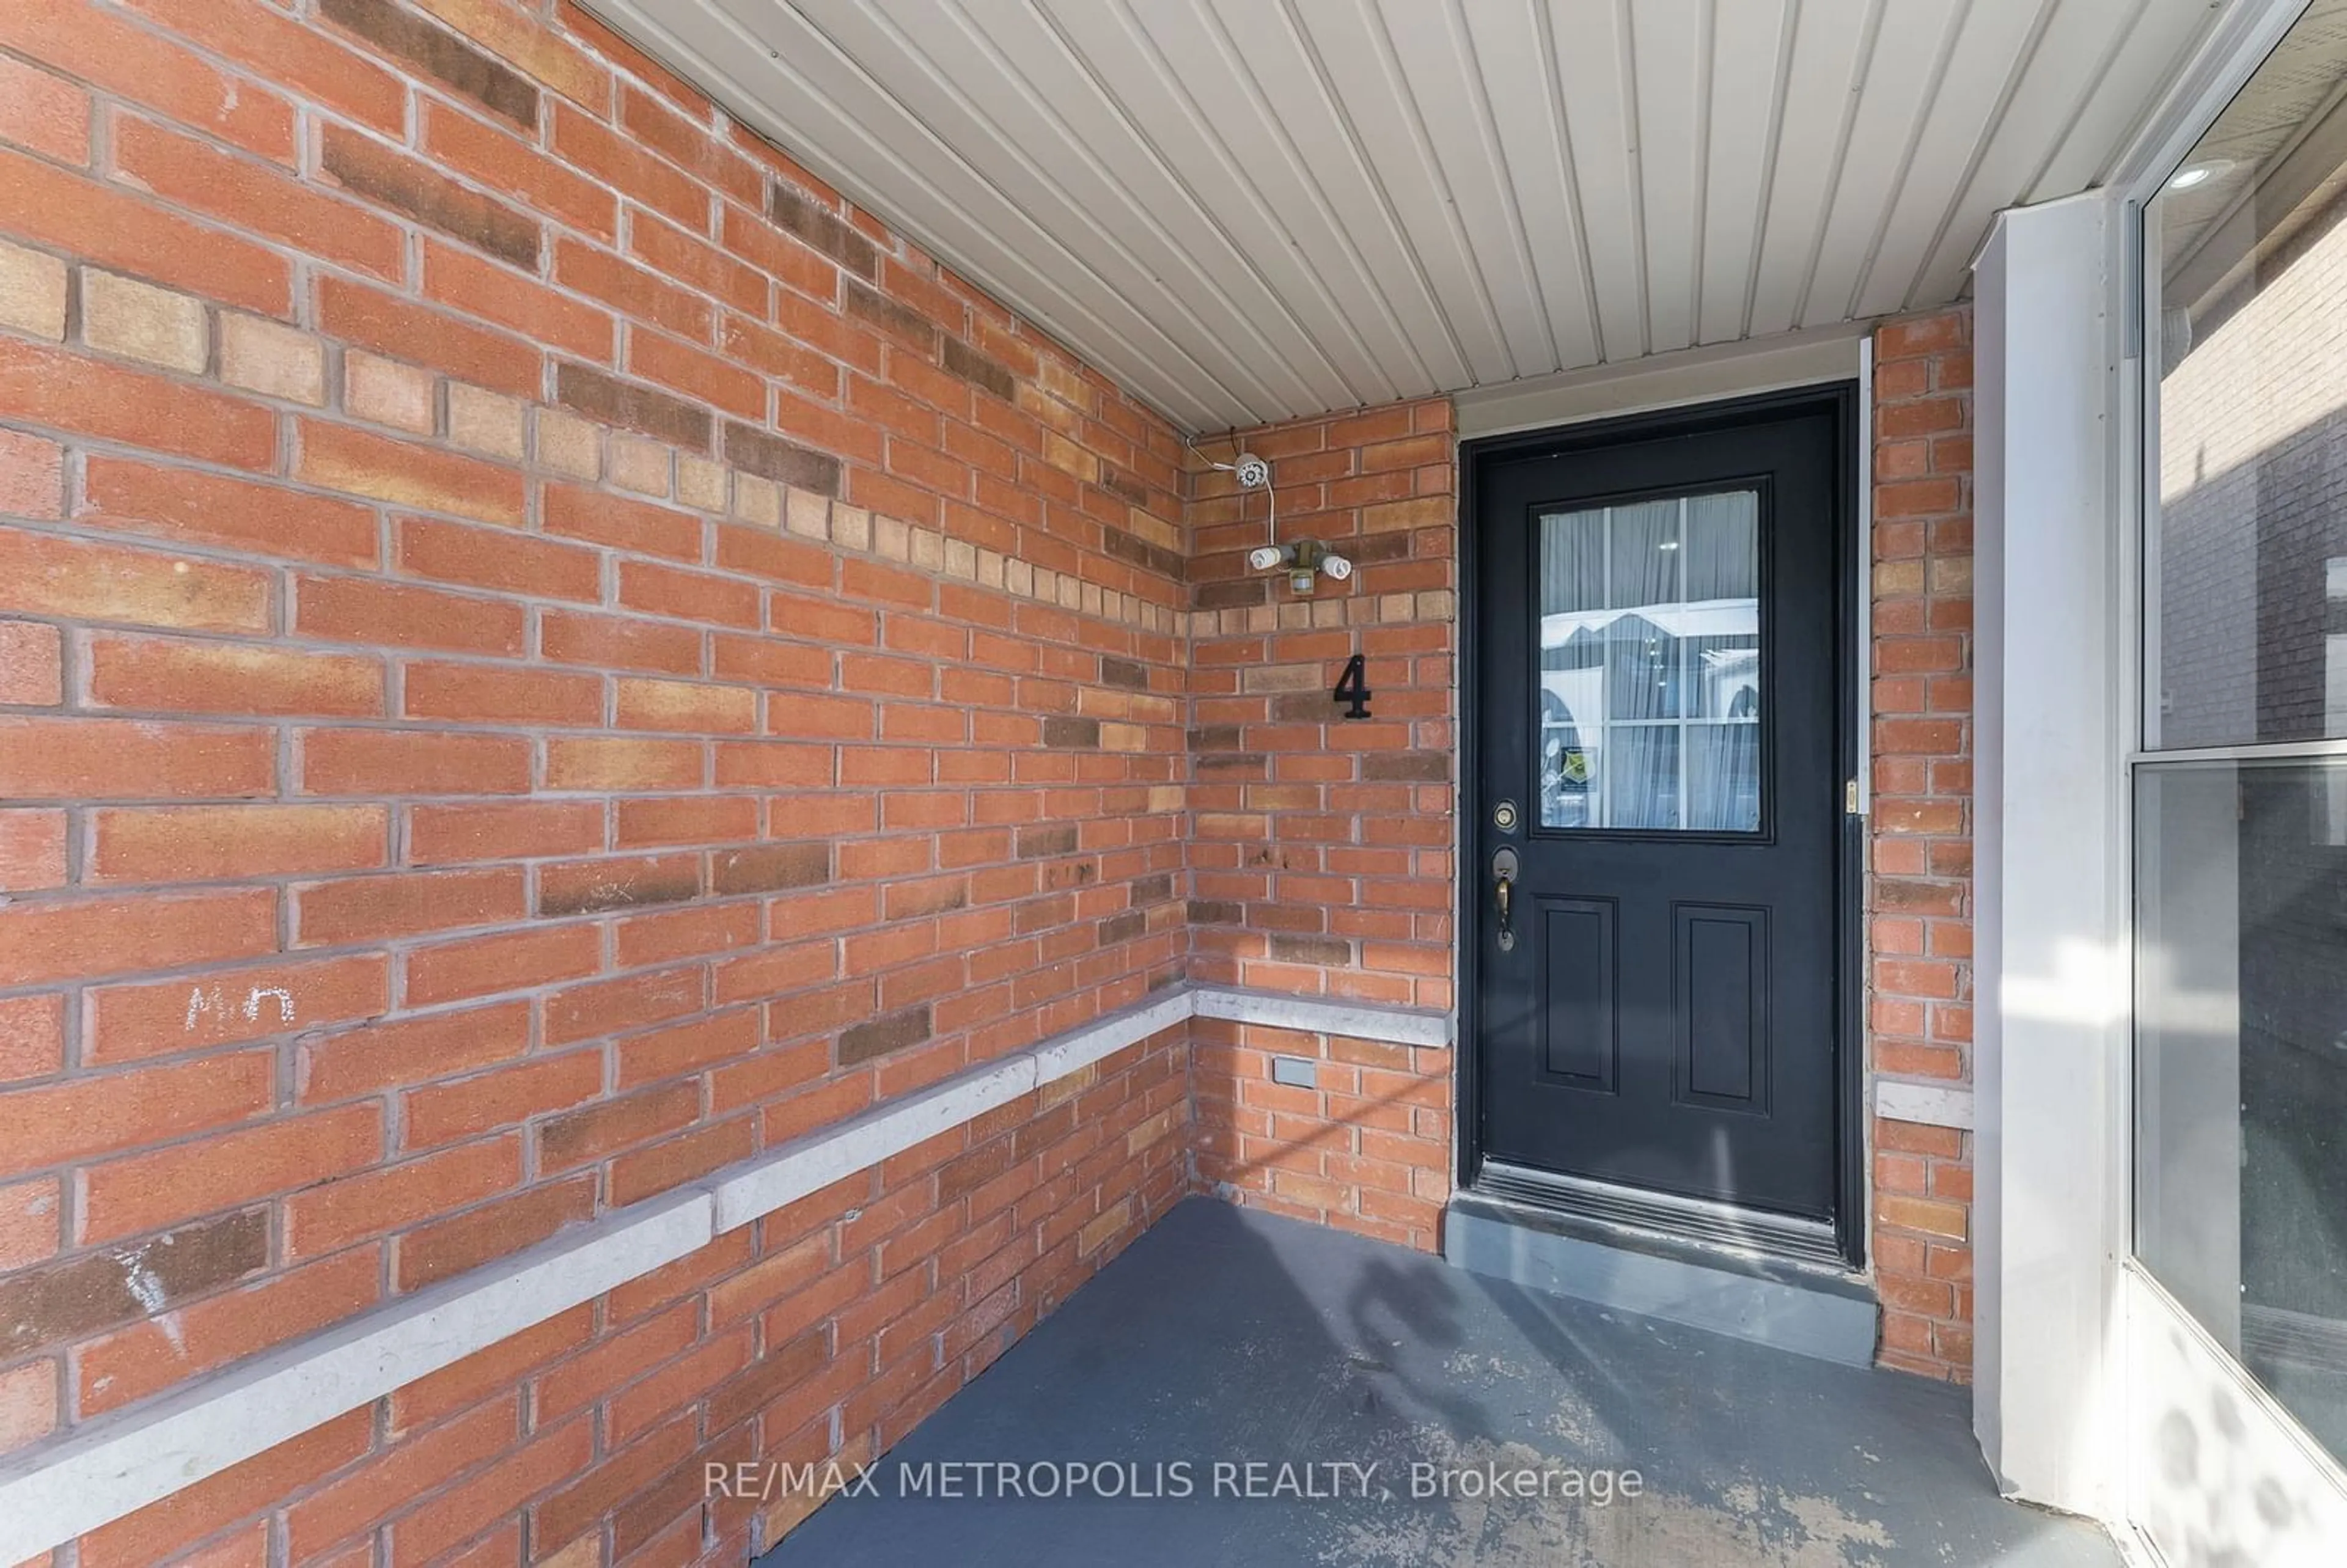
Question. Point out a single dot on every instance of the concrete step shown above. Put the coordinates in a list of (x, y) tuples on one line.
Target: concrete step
[(1801, 1307)]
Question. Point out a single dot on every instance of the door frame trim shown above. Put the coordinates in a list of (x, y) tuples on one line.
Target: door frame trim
[(1842, 400)]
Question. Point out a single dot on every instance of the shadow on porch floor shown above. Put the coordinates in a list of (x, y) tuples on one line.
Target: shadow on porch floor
[(1228, 1336)]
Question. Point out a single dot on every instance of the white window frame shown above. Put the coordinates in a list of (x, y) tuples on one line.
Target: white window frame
[(2160, 1357)]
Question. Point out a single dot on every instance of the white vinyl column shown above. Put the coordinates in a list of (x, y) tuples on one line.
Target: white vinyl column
[(2049, 855)]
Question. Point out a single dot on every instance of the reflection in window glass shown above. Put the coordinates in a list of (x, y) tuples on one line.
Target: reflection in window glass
[(1650, 665), (2247, 595), (2241, 865), (2241, 1064)]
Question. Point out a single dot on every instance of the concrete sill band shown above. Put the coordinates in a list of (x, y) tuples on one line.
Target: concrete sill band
[(117, 1465)]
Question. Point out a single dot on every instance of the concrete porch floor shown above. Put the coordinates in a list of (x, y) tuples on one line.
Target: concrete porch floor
[(1225, 1335)]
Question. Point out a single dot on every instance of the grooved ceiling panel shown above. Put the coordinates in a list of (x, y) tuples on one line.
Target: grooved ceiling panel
[(1256, 209)]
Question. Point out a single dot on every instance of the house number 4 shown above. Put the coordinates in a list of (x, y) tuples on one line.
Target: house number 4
[(1353, 688)]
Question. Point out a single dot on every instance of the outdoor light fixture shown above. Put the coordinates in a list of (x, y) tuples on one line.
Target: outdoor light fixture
[(1304, 560), (2200, 173), (1307, 559)]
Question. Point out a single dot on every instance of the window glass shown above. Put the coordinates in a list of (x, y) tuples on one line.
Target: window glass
[(2247, 553), (2241, 1064), (1650, 665), (2241, 864)]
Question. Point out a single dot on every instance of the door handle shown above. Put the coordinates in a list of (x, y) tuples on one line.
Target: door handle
[(1504, 866)]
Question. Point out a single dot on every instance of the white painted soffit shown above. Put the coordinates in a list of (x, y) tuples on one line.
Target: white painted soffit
[(1255, 209)]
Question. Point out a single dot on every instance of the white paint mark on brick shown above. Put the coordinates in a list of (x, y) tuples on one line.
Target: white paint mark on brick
[(140, 1281), (284, 1003)]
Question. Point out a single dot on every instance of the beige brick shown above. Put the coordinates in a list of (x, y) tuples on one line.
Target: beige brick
[(1898, 579), (384, 392), (891, 537), (928, 550), (851, 526), (28, 1403), (32, 292), (1101, 1231), (1156, 530), (273, 359), (990, 569), (1019, 577), (639, 466), (961, 559), (569, 445), (121, 315), (486, 422), (757, 500), (1071, 593), (806, 513), (1069, 458), (700, 483)]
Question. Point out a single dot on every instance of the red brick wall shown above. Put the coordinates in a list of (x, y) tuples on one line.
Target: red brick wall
[(826, 1331), (1365, 1148), (541, 652), (1919, 887), (1322, 848)]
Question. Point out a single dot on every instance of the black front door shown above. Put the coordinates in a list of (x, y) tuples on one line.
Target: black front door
[(1655, 854)]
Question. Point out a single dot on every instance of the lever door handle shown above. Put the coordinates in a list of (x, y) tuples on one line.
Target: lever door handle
[(1504, 866)]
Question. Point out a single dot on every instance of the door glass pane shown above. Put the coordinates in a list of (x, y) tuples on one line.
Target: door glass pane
[(2248, 580), (2241, 1064), (1649, 653)]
